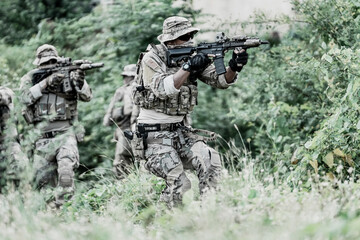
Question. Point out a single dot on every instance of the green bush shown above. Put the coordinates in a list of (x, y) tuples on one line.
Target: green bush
[(23, 16), (114, 35)]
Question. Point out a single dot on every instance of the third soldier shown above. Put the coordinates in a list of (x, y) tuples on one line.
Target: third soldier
[(122, 112)]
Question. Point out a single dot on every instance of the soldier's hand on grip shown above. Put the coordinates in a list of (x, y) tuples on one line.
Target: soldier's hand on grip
[(55, 79), (238, 60), (199, 62), (78, 77)]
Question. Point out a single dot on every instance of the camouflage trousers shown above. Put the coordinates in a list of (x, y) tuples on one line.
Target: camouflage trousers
[(123, 162), (54, 162), (12, 163), (168, 157)]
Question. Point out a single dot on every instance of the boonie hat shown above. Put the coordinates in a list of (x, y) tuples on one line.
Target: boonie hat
[(45, 53), (174, 27), (129, 70)]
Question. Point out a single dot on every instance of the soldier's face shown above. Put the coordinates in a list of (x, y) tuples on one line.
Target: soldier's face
[(127, 79), (176, 42), (181, 40), (50, 62)]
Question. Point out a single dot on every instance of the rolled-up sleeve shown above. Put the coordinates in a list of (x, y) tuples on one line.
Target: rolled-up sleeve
[(154, 77), (29, 94), (85, 93), (169, 86)]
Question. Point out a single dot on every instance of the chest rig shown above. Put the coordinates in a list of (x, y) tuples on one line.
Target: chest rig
[(181, 103), (55, 104)]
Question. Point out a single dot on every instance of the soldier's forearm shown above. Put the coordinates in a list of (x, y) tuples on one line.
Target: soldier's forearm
[(229, 75), (180, 77), (43, 84)]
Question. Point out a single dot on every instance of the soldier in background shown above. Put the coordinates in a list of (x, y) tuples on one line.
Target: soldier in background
[(12, 159), (166, 96), (54, 112), (123, 113)]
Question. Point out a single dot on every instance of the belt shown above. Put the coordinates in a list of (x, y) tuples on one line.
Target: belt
[(144, 128), (51, 134)]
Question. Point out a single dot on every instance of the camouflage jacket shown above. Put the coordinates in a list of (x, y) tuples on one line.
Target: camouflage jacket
[(51, 103), (155, 70), (121, 107)]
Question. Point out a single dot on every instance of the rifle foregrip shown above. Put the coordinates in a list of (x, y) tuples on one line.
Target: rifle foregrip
[(219, 65)]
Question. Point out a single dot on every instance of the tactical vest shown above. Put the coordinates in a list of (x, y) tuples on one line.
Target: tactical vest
[(55, 105), (181, 103)]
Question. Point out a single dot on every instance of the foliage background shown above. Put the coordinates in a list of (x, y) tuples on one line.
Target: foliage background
[(290, 124)]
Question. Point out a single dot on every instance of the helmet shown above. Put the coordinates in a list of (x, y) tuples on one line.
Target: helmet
[(129, 70), (175, 27), (45, 53), (6, 97)]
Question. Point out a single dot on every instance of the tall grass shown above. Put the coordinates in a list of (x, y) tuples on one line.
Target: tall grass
[(245, 207)]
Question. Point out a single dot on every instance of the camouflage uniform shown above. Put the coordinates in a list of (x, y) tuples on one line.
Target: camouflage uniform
[(124, 116), (11, 156), (171, 145), (54, 112)]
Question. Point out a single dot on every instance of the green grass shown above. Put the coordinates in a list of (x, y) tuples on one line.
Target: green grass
[(243, 208)]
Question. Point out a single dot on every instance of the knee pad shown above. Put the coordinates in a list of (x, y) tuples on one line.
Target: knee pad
[(65, 173), (215, 160), (66, 178), (68, 156)]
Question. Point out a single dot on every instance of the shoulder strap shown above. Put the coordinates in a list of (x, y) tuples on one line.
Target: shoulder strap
[(138, 77)]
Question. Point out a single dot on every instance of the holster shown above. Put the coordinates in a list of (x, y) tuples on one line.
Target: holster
[(138, 145)]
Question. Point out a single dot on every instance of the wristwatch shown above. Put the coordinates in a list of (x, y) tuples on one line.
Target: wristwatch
[(186, 66)]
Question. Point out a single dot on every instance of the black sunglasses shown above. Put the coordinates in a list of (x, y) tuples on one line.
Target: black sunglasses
[(186, 37)]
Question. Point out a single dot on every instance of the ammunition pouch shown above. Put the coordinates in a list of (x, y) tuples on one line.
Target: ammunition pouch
[(28, 115), (138, 143), (55, 106), (177, 105)]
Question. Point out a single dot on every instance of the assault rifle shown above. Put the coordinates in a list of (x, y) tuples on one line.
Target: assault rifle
[(215, 49), (63, 66)]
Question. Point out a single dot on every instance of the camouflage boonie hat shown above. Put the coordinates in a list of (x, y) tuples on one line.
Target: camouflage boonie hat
[(175, 27), (45, 53), (6, 97), (129, 70)]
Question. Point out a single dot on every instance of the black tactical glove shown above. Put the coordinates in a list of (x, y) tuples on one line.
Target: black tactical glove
[(199, 62), (238, 60)]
